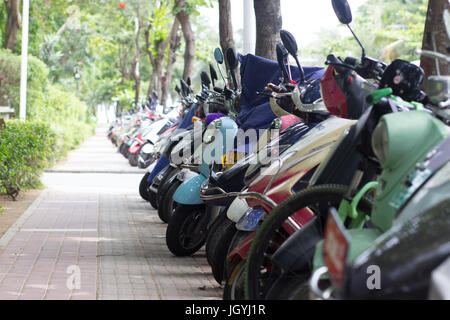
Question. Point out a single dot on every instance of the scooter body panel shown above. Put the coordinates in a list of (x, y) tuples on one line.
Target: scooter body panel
[(188, 191), (237, 209)]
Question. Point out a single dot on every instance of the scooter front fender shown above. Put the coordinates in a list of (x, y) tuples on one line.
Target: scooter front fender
[(237, 209), (189, 191), (250, 220)]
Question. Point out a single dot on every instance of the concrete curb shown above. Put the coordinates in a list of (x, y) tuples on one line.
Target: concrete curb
[(11, 232)]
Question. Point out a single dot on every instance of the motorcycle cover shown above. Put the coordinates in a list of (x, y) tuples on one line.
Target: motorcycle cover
[(256, 72)]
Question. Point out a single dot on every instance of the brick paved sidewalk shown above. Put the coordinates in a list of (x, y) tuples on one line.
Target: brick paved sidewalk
[(91, 236)]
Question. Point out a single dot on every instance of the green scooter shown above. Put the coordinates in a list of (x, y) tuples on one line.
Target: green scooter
[(410, 218)]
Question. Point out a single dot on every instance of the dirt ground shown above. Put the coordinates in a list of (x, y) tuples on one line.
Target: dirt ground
[(14, 209)]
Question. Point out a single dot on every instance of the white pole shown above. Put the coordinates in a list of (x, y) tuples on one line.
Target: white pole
[(24, 63), (249, 27)]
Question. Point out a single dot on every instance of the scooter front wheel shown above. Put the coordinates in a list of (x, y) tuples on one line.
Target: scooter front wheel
[(143, 187), (186, 233), (167, 205), (260, 274)]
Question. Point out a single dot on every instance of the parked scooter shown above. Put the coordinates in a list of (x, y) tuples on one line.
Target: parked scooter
[(222, 188), (288, 258), (186, 231), (410, 219)]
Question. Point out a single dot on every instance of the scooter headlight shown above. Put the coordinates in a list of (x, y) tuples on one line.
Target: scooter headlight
[(380, 141)]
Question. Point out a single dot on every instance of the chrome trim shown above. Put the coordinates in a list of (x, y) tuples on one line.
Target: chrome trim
[(314, 284), (190, 167), (242, 195)]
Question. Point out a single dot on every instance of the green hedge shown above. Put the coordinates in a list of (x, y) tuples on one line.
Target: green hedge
[(26, 149), (59, 122), (67, 115)]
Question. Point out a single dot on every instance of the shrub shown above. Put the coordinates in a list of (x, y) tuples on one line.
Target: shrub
[(10, 87), (26, 149), (68, 116)]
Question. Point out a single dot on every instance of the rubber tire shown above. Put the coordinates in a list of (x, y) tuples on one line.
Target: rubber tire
[(148, 162), (143, 187), (152, 199), (174, 230), (162, 187), (231, 290), (234, 266), (132, 159), (290, 287), (217, 247), (276, 218), (165, 207)]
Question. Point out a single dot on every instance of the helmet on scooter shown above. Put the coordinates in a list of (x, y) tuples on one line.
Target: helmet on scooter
[(404, 78), (344, 92), (332, 95)]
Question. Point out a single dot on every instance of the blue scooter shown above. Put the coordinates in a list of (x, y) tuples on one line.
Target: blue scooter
[(186, 230)]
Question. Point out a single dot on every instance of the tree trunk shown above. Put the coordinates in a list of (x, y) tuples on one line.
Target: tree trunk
[(435, 38), (13, 23), (166, 80), (158, 60), (225, 26), (189, 39), (268, 26), (226, 29)]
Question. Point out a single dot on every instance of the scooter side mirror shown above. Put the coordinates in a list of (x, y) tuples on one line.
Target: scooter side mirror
[(289, 42), (184, 87), (205, 79), (232, 58), (281, 58), (218, 55), (232, 61), (188, 81), (290, 45), (177, 89), (213, 74), (342, 10)]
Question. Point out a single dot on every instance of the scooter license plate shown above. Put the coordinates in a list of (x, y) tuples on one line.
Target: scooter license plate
[(335, 247)]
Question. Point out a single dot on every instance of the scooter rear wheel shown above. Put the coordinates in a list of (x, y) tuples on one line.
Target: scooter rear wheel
[(167, 205), (132, 159), (217, 247), (143, 187), (185, 234), (290, 286), (164, 184)]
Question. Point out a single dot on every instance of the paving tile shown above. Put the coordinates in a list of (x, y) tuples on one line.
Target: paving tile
[(121, 254)]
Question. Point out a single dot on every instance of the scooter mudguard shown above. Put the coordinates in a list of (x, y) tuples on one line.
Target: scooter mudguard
[(249, 221), (151, 167), (237, 209), (243, 248), (189, 191), (160, 165)]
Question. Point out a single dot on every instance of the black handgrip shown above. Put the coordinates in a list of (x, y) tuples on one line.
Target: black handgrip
[(336, 63), (217, 89), (351, 61)]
